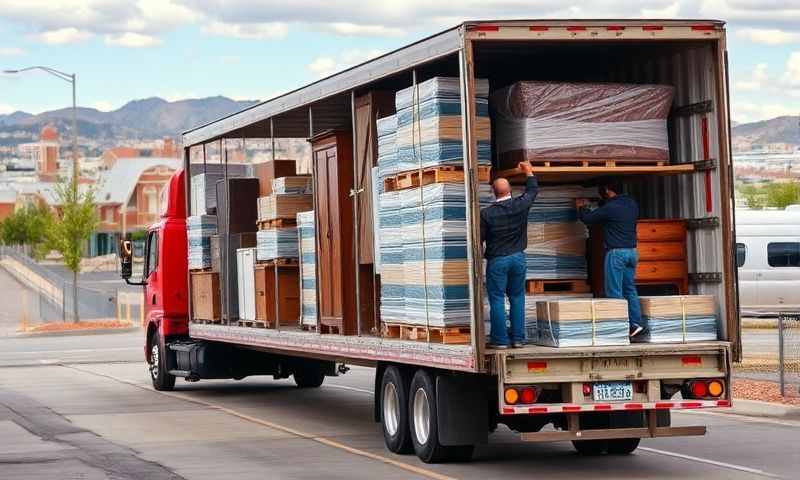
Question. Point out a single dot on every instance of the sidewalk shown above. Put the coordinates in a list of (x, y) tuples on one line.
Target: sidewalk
[(755, 408)]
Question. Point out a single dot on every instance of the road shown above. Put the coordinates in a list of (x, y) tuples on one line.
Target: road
[(82, 407)]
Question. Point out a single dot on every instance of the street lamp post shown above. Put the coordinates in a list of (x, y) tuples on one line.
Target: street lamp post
[(70, 78)]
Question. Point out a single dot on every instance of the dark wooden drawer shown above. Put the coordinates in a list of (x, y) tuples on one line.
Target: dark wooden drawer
[(667, 270), (661, 251), (666, 231)]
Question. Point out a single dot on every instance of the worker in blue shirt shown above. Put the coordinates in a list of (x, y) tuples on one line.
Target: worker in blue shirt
[(618, 217), (504, 230)]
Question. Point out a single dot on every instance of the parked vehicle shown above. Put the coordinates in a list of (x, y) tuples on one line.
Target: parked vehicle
[(768, 258), (440, 400)]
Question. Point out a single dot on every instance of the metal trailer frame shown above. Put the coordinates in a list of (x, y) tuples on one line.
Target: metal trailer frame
[(458, 40)]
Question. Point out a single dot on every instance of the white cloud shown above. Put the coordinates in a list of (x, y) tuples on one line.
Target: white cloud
[(355, 30), (746, 111), (768, 36), (791, 76), (325, 66), (758, 79), (249, 31), (6, 109), (668, 11), (11, 51), (103, 106), (63, 36), (132, 40)]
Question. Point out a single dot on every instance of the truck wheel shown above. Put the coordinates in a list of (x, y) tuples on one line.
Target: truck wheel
[(623, 446), (423, 424), (590, 448), (394, 410), (309, 376), (162, 380)]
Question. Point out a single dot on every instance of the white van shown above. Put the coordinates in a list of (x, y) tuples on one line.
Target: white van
[(768, 257)]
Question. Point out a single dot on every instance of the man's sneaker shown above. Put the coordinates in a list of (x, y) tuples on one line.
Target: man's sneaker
[(517, 344), (496, 346), (636, 330)]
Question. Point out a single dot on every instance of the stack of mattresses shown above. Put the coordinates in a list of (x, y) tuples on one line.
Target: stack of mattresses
[(390, 221), (276, 242), (308, 266), (199, 230), (582, 323), (545, 121), (286, 205), (297, 184), (678, 318), (429, 124), (387, 146), (556, 238)]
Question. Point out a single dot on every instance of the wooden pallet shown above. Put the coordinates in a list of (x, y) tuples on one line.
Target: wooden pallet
[(598, 162), (330, 329), (252, 323), (308, 328), (557, 286), (276, 223), (440, 174), (205, 321), (446, 335)]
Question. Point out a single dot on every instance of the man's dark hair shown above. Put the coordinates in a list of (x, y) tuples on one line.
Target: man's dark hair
[(610, 183)]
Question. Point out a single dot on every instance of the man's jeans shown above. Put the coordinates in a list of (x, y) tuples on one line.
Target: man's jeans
[(506, 276), (620, 275)]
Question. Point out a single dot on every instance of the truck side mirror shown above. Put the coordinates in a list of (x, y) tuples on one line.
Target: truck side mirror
[(126, 259)]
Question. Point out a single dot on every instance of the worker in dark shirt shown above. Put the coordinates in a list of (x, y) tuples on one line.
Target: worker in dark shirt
[(504, 229), (618, 217)]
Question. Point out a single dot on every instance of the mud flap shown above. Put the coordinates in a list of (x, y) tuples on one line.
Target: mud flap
[(463, 411)]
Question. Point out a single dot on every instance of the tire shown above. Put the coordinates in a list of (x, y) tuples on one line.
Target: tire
[(309, 376), (394, 410), (590, 448), (623, 446), (423, 424), (157, 367)]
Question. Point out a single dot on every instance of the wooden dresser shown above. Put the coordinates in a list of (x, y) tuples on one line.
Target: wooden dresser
[(662, 256)]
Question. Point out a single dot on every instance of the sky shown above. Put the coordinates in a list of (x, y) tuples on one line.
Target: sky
[(123, 50)]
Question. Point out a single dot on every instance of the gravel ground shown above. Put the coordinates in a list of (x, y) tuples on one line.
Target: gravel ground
[(764, 391)]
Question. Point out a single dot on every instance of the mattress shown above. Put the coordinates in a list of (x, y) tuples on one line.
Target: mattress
[(275, 243), (678, 318), (582, 323), (308, 268), (199, 229)]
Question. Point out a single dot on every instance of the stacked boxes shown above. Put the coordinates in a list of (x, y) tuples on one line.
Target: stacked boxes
[(678, 318), (390, 221), (531, 318), (429, 124), (556, 238), (295, 184), (308, 268), (283, 205), (204, 193), (276, 242), (199, 229), (582, 323)]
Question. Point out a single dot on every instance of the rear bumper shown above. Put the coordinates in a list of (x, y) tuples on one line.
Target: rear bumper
[(614, 433), (612, 407)]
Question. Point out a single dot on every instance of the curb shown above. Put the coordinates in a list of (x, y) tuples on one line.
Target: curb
[(755, 408), (72, 333)]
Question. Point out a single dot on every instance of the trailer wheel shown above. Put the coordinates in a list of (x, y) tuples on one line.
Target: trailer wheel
[(623, 446), (157, 366), (423, 424), (590, 448), (394, 410), (309, 376)]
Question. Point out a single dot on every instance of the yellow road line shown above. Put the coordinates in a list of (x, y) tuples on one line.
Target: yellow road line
[(324, 441)]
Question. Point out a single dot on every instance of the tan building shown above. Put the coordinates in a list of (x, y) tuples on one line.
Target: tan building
[(166, 149), (44, 154)]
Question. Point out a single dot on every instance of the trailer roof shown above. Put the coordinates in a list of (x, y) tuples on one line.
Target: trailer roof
[(423, 51)]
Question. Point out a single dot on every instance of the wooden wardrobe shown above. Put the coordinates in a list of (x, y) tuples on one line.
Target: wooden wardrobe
[(333, 179)]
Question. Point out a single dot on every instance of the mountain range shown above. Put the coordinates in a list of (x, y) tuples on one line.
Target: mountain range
[(153, 118), (149, 118)]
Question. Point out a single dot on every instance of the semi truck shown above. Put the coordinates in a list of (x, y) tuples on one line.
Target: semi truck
[(439, 400)]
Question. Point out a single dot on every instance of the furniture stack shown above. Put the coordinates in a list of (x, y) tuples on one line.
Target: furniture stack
[(308, 269), (582, 122), (298, 184), (429, 124), (390, 222), (678, 318), (204, 186), (531, 318), (277, 216), (582, 323), (199, 230), (387, 146)]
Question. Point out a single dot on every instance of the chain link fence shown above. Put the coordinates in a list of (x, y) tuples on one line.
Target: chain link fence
[(789, 354), (770, 367), (48, 294)]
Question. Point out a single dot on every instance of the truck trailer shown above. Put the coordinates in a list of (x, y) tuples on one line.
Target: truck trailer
[(435, 398)]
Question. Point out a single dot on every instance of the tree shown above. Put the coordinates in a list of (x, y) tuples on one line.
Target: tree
[(72, 227), (781, 195), (27, 226), (753, 197)]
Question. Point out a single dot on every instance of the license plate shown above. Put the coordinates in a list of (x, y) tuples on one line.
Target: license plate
[(612, 391)]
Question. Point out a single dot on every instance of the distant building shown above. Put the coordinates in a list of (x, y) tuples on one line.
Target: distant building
[(165, 149), (129, 198), (8, 203), (44, 154)]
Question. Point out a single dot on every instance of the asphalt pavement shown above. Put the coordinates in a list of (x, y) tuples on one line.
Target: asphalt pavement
[(82, 407)]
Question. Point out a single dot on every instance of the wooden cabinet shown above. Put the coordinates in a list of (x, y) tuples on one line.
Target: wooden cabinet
[(287, 308), (333, 179), (205, 295), (661, 245)]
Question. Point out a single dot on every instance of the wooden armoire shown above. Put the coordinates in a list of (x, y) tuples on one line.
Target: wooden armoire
[(332, 153)]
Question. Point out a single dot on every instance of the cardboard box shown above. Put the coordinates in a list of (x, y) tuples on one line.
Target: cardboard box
[(288, 294), (268, 171), (205, 295)]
